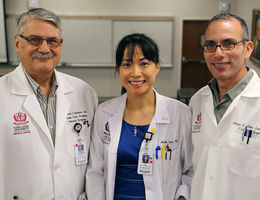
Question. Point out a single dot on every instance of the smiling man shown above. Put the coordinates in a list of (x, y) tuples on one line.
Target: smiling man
[(225, 122), (45, 116)]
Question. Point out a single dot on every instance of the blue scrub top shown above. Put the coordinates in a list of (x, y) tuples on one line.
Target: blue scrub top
[(128, 184)]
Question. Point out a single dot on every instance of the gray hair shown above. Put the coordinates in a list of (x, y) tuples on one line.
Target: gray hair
[(38, 13), (229, 16)]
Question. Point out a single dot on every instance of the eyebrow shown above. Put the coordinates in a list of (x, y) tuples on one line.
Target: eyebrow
[(126, 60), (227, 39), (130, 60), (141, 59), (42, 37)]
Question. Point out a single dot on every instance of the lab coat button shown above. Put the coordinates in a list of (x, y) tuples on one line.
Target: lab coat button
[(55, 167), (148, 187)]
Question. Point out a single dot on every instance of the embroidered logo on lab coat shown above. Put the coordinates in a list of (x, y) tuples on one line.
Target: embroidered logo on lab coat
[(20, 124), (107, 136), (197, 124)]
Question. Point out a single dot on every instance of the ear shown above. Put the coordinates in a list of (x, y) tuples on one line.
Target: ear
[(61, 45), (16, 43), (157, 68), (249, 49)]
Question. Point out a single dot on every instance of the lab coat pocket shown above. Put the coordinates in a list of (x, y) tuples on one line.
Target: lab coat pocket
[(169, 163), (170, 174), (244, 159)]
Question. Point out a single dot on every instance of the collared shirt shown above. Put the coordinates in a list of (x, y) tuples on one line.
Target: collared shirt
[(220, 107), (48, 106)]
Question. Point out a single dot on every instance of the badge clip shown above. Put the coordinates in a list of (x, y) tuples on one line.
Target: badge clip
[(77, 127), (148, 136)]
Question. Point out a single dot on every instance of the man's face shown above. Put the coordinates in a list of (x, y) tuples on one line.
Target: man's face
[(228, 64), (31, 56)]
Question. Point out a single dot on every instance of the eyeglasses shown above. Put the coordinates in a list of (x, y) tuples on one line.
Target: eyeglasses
[(226, 45), (37, 41)]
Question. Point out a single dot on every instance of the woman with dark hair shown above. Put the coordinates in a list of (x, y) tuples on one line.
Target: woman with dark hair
[(140, 123)]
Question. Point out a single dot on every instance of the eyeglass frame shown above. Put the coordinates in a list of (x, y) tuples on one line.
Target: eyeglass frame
[(59, 41), (219, 45)]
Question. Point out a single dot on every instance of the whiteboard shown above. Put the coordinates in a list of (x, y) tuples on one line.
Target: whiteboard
[(93, 41), (86, 42), (160, 31), (3, 41)]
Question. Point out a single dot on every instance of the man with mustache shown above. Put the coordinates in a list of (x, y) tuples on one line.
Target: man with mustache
[(45, 116), (225, 121)]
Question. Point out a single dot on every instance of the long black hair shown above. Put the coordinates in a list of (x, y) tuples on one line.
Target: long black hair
[(147, 45)]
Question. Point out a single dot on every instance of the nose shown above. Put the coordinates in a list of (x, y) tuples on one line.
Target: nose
[(219, 52), (136, 70), (44, 47)]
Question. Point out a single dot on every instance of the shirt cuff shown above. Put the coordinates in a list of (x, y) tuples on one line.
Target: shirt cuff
[(183, 190)]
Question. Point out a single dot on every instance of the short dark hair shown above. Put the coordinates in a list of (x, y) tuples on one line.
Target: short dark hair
[(229, 16), (148, 46)]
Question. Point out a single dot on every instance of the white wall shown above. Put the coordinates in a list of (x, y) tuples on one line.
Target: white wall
[(102, 79)]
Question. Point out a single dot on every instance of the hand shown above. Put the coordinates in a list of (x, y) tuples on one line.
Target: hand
[(182, 198)]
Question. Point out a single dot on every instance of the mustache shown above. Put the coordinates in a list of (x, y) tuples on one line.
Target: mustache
[(43, 55)]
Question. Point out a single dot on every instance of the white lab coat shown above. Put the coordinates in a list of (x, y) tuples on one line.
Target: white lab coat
[(226, 168), (169, 179), (30, 166)]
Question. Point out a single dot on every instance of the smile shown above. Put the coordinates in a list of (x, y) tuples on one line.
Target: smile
[(220, 64), (136, 83), (42, 56)]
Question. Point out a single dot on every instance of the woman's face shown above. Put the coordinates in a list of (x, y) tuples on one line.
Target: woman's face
[(137, 75)]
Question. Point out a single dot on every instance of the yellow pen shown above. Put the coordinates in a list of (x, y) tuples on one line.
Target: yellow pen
[(163, 150)]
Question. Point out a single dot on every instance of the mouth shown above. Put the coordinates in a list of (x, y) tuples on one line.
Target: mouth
[(220, 66), (136, 83), (42, 56)]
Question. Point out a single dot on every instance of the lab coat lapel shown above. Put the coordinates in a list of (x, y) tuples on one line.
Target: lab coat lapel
[(20, 86), (31, 105), (115, 125), (228, 112), (161, 114), (249, 91), (208, 107), (62, 104), (19, 83)]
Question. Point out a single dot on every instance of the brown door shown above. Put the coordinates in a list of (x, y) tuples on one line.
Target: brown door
[(195, 73)]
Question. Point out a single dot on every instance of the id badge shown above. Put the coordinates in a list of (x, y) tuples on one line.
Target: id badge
[(145, 161), (81, 153)]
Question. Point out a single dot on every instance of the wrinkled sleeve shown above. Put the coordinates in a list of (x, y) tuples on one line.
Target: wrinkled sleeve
[(95, 181), (186, 158)]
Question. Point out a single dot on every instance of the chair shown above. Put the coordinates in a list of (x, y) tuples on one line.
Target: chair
[(184, 94)]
